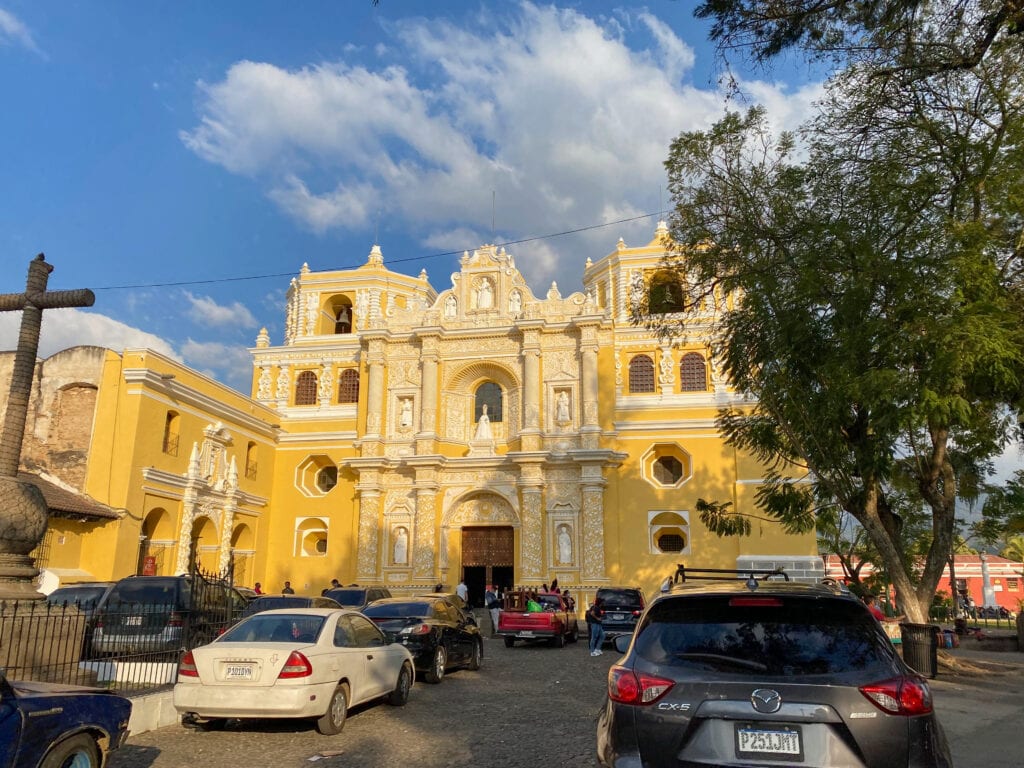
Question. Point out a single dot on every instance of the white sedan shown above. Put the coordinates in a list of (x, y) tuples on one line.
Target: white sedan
[(292, 663)]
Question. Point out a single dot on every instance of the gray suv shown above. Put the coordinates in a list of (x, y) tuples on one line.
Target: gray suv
[(733, 668)]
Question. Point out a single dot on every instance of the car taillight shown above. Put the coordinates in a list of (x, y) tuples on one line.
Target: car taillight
[(419, 629), (297, 665), (900, 696), (637, 613), (627, 687), (174, 620), (187, 666)]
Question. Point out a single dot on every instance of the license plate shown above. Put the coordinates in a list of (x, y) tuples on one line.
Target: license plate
[(784, 742), (526, 633), (133, 621), (239, 671), (618, 616)]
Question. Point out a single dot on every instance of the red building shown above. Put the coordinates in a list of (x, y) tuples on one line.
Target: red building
[(1005, 579)]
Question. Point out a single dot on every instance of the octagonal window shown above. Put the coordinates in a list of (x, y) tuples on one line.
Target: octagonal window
[(327, 478), (668, 470)]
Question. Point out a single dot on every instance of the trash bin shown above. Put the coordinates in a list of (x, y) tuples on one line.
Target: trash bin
[(921, 648)]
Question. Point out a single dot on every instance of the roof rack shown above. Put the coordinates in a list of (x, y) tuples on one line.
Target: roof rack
[(725, 574)]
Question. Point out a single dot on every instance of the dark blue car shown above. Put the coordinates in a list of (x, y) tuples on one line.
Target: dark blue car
[(50, 725)]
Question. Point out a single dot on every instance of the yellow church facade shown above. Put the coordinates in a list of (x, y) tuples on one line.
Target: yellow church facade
[(407, 436)]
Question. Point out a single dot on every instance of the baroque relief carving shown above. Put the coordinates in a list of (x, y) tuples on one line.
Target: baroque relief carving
[(423, 553), (531, 534), (369, 512), (593, 534)]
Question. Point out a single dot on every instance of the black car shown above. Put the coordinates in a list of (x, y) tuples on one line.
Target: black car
[(621, 610), (357, 597), (438, 634), (271, 602), (162, 613), (84, 596), (741, 670)]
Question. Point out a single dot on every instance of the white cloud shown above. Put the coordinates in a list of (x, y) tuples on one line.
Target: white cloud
[(64, 328), (206, 312), (565, 118), (14, 32), (229, 363)]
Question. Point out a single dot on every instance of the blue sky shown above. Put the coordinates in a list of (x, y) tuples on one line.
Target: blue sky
[(184, 159)]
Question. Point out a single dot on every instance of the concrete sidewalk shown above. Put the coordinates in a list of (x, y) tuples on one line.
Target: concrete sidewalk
[(979, 697)]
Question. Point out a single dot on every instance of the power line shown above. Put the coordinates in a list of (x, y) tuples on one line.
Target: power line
[(181, 283)]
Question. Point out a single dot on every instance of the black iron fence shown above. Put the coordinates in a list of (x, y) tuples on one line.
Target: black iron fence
[(129, 646)]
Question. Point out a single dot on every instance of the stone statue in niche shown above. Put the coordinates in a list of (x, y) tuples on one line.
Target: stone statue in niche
[(405, 417), (483, 426), (562, 407), (484, 294), (564, 545), (515, 303), (451, 306), (401, 553)]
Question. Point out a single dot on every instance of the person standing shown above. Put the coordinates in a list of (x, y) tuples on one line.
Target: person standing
[(870, 601), (463, 591), (287, 589), (594, 628), (258, 589), (493, 606)]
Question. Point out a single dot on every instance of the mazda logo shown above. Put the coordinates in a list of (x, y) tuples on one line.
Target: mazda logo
[(766, 701)]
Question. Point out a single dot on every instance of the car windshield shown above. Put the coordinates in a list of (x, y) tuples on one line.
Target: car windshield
[(261, 604), (777, 636), (397, 610), (625, 598), (349, 597), (150, 593), (84, 597), (276, 628)]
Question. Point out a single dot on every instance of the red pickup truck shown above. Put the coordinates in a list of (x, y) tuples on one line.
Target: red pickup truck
[(555, 623)]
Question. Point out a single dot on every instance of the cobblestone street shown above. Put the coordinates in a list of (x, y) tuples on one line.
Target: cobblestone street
[(527, 707)]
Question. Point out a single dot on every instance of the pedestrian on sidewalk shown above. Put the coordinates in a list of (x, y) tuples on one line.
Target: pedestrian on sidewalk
[(596, 631), (493, 606)]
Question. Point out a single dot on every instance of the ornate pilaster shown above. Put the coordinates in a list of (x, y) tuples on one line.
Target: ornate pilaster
[(531, 534), (227, 525), (369, 518), (426, 522), (593, 531), (375, 397), (428, 397), (531, 389), (284, 385), (188, 515)]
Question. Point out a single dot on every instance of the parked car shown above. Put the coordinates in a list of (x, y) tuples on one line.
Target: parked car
[(273, 602), (622, 608), (438, 634), (49, 724), (294, 663), (555, 623), (357, 597), (84, 596), (160, 613), (747, 671)]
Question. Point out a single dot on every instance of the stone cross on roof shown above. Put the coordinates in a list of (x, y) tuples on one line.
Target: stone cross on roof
[(23, 511)]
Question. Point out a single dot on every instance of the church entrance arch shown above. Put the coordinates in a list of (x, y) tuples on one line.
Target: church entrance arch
[(488, 557), (479, 533)]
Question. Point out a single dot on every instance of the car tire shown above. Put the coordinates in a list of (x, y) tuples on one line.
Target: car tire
[(558, 641), (476, 656), (333, 720), (400, 695), (574, 636), (436, 672), (509, 642), (79, 751)]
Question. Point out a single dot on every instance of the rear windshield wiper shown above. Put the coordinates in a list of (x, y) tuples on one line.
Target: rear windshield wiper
[(720, 659)]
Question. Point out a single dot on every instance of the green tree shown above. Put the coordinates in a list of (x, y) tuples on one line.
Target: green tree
[(874, 273)]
